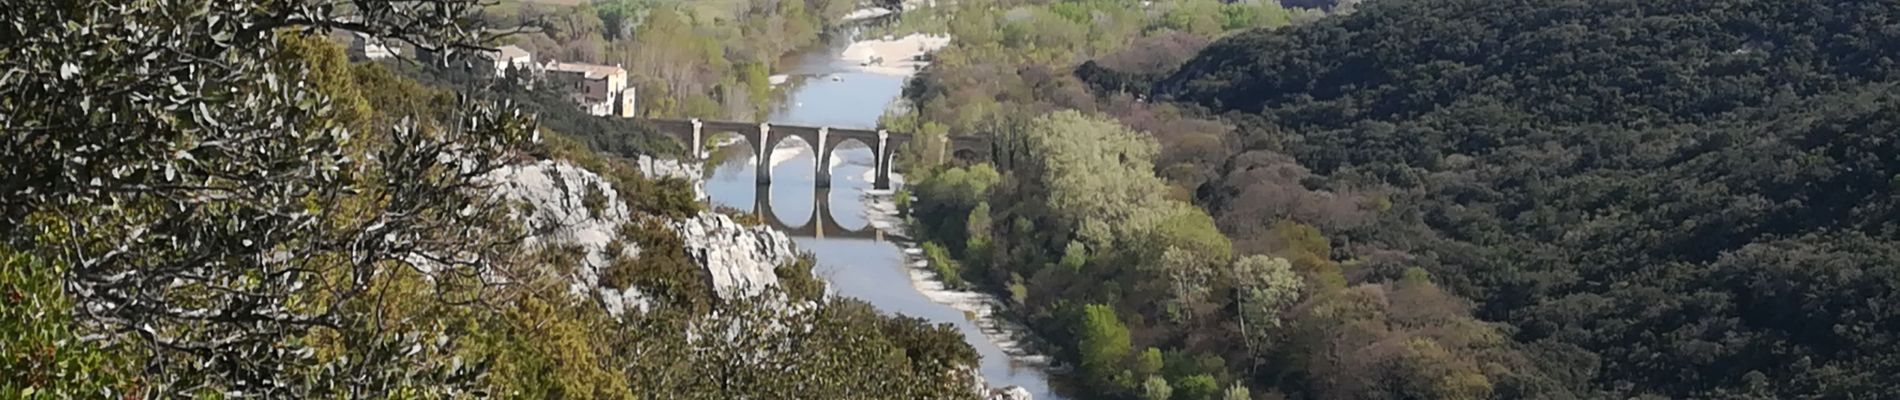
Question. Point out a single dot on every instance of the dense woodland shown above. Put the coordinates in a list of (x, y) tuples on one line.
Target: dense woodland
[(1445, 199), (213, 202)]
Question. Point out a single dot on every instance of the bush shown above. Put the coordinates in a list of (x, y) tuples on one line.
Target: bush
[(797, 280), (947, 268), (40, 353)]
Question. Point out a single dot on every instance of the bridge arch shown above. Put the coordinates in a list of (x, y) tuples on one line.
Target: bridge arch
[(838, 149), (728, 150), (768, 156)]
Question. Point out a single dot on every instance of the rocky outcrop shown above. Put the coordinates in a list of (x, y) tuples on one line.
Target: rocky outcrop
[(560, 204), (741, 260), (981, 387), (1009, 393)]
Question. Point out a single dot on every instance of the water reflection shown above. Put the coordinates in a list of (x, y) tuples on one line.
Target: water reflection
[(820, 224)]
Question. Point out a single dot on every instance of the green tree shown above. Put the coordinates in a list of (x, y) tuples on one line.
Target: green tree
[(1237, 392), (42, 354), (1266, 287), (1148, 363), (1098, 175), (1104, 345), (1156, 388), (1198, 387)]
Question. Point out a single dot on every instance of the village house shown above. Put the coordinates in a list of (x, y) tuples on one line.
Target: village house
[(600, 89), (509, 57), (366, 47)]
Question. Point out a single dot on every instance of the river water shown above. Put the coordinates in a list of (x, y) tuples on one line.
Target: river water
[(857, 259)]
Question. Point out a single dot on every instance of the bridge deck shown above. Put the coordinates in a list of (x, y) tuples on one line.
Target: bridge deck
[(685, 126)]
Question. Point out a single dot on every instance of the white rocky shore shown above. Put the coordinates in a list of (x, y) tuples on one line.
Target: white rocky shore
[(899, 56)]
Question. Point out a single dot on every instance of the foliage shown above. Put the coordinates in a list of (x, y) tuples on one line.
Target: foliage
[(552, 106), (203, 149), (1198, 387), (948, 270), (662, 270), (216, 204), (1089, 222), (949, 198), (750, 349), (1603, 180), (797, 280), (41, 355), (1103, 344), (1266, 288), (1156, 388), (1237, 392)]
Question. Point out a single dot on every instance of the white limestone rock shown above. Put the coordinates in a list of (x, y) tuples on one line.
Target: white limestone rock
[(560, 204), (1010, 393), (739, 259)]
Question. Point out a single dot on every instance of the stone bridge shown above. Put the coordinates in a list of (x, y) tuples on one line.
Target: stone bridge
[(765, 137)]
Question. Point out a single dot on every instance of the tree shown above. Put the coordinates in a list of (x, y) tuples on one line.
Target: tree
[(1198, 387), (188, 164), (1098, 174), (1237, 392), (1188, 278), (1156, 388), (1266, 286), (1103, 343), (1609, 233)]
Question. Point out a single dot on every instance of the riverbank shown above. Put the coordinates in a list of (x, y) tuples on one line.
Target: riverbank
[(982, 307), (898, 56)]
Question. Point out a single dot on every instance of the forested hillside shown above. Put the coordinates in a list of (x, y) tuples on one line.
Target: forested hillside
[(1443, 199), (1697, 199)]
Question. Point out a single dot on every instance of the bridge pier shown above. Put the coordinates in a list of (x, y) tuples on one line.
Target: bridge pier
[(699, 140), (881, 168), (765, 145), (822, 173)]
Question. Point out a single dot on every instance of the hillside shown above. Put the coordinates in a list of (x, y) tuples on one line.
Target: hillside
[(1679, 199)]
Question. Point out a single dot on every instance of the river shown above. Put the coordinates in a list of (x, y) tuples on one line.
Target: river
[(858, 260)]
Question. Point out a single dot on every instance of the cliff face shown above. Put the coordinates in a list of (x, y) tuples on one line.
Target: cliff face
[(560, 204), (740, 260)]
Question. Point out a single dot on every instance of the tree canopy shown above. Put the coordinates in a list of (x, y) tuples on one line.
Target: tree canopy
[(1606, 177)]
